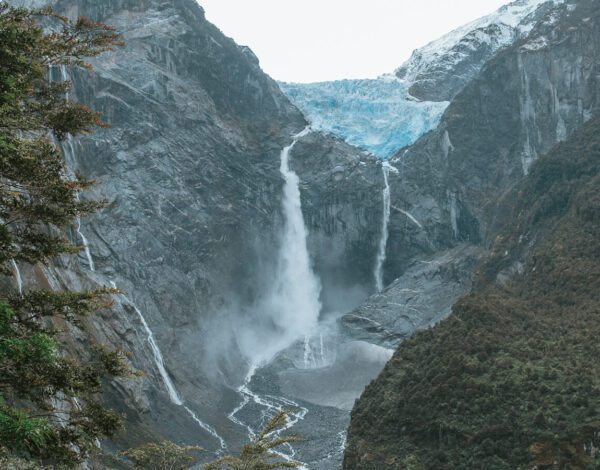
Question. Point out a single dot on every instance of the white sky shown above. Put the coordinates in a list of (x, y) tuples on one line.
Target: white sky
[(317, 40)]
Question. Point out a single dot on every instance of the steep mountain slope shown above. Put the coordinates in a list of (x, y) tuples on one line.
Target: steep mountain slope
[(511, 379), (189, 169), (532, 96), (444, 195), (527, 99), (385, 114)]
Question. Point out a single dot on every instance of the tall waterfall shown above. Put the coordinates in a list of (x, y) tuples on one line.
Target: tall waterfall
[(289, 309), (385, 168), (297, 288)]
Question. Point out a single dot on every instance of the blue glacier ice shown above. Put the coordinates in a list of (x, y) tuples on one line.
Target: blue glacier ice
[(377, 115)]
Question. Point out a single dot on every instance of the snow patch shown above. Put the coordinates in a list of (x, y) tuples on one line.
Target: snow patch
[(513, 20)]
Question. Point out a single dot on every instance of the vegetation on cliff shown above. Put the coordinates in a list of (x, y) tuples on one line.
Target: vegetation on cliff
[(511, 380), (50, 411)]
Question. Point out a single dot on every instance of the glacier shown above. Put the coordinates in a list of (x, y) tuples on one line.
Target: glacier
[(384, 114), (378, 115)]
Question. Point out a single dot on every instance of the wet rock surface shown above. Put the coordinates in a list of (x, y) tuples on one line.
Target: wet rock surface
[(417, 300)]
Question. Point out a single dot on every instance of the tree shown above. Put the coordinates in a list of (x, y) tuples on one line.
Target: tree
[(50, 409), (164, 455), (259, 454)]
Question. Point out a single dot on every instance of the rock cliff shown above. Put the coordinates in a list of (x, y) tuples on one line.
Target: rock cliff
[(190, 172), (525, 100)]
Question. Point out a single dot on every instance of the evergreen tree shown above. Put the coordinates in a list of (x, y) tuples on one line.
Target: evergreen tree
[(259, 453), (50, 409)]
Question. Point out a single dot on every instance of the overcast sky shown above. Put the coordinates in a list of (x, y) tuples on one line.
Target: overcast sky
[(316, 40)]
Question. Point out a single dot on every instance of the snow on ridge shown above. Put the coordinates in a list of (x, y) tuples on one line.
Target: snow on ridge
[(513, 19)]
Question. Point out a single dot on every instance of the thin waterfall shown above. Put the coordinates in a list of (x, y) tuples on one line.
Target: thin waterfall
[(380, 260), (69, 152), (160, 365), (158, 360), (308, 356), (18, 277), (86, 247), (322, 348)]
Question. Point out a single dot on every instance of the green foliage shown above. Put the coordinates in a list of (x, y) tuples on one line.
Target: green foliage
[(259, 454), (50, 410), (164, 455), (22, 432), (512, 379)]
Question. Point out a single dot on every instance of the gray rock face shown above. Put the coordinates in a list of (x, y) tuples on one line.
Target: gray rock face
[(190, 171), (341, 202), (525, 101), (418, 299)]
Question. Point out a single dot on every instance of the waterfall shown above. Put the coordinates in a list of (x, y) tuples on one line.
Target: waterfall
[(322, 348), (309, 356), (454, 215), (380, 260), (160, 365), (288, 311), (158, 360), (315, 354), (86, 248), (69, 153), (18, 277)]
